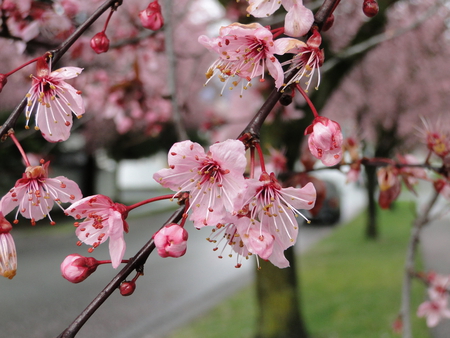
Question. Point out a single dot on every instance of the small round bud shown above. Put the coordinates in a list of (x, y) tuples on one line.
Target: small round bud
[(171, 240), (100, 43), (370, 8), (127, 288), (76, 268)]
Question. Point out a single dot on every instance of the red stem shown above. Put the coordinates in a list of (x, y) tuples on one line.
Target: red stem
[(22, 66), (261, 157), (22, 152), (308, 101), (150, 200), (107, 20)]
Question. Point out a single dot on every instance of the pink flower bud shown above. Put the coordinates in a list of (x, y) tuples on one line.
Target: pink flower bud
[(171, 241), (127, 288), (76, 268), (151, 17), (370, 8), (389, 184), (325, 140), (3, 80), (100, 43)]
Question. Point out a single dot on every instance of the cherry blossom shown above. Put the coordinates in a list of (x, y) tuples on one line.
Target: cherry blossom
[(103, 219), (8, 254), (171, 240), (307, 60), (226, 234), (325, 140), (76, 268), (245, 51), (298, 19), (54, 100), (439, 286), (35, 193), (270, 226), (214, 179), (434, 311)]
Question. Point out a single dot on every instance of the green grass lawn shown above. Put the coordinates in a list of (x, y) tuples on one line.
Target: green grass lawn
[(350, 286)]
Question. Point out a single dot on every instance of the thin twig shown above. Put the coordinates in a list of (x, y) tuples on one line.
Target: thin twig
[(411, 251)]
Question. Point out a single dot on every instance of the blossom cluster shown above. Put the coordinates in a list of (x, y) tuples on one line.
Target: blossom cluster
[(436, 307), (255, 216)]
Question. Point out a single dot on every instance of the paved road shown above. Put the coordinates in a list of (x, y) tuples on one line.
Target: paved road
[(38, 302)]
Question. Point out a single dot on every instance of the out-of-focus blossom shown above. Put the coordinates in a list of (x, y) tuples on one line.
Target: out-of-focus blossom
[(214, 179), (442, 187), (439, 286), (307, 60), (269, 212), (54, 101), (171, 241), (434, 311), (325, 140), (437, 141), (103, 219), (8, 254), (410, 174), (76, 268), (278, 160), (100, 43), (389, 184), (151, 17), (35, 193), (298, 19), (245, 51)]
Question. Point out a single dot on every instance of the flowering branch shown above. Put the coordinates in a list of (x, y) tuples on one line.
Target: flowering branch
[(135, 263), (56, 55), (409, 265)]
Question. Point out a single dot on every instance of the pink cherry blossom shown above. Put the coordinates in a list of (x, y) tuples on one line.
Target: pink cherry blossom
[(298, 20), (245, 51), (214, 179), (171, 240), (76, 268), (103, 219), (54, 100), (226, 234), (270, 214), (307, 60), (151, 17), (439, 286), (325, 140), (35, 193), (8, 254), (434, 311)]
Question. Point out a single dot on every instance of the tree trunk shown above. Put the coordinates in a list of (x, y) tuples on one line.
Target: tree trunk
[(278, 301)]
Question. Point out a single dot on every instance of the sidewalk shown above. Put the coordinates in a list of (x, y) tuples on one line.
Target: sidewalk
[(435, 247)]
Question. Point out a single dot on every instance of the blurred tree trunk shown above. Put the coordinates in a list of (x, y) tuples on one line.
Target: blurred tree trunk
[(89, 173), (278, 300), (277, 289)]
